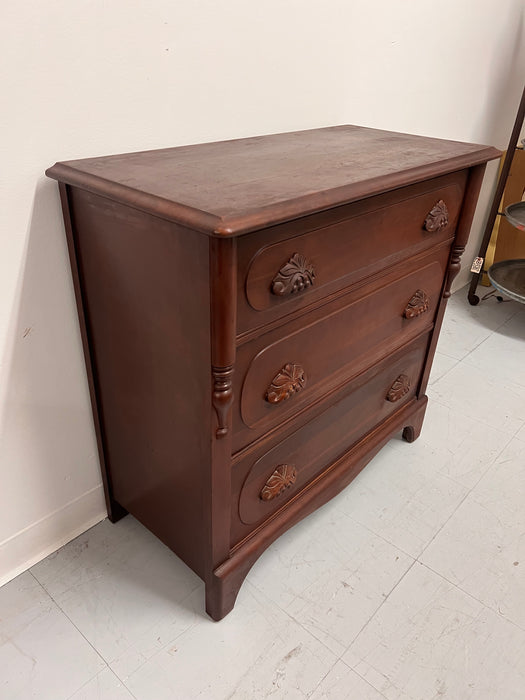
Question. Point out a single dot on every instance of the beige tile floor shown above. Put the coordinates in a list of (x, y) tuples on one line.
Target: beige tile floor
[(409, 585)]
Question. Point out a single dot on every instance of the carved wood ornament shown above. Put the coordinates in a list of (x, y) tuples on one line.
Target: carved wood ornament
[(283, 477), (294, 276), (454, 267), (222, 398), (437, 218), (399, 388), (290, 379), (417, 305)]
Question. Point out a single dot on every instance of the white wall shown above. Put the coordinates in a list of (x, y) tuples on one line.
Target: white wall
[(93, 77)]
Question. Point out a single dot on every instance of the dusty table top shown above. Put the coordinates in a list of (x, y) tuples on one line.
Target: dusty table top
[(231, 187)]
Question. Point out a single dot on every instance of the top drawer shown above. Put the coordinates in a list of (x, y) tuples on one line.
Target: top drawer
[(289, 267)]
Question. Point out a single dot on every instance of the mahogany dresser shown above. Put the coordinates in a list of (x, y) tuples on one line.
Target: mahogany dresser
[(259, 318)]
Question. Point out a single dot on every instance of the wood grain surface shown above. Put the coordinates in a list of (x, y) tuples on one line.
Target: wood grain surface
[(231, 187)]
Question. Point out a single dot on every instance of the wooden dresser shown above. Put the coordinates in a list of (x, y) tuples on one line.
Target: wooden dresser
[(259, 318)]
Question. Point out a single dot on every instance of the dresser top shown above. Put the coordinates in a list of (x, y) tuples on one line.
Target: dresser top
[(231, 187)]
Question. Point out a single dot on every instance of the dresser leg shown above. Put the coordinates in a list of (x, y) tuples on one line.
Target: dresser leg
[(412, 431), (115, 511), (226, 580), (221, 595)]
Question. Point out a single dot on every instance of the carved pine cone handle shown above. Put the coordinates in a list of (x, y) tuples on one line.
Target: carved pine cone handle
[(399, 388), (294, 276), (417, 305), (283, 477), (437, 217), (290, 379)]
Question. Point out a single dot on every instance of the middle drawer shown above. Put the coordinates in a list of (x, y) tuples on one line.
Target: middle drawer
[(286, 371)]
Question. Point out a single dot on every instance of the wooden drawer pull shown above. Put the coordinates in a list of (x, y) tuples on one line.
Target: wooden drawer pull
[(437, 217), (290, 379), (283, 477), (399, 388), (417, 305), (294, 276)]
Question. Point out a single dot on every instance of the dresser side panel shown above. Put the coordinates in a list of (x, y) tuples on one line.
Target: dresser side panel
[(145, 291)]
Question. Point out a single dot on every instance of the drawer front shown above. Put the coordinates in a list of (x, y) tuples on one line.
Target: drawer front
[(262, 484), (322, 254), (281, 374)]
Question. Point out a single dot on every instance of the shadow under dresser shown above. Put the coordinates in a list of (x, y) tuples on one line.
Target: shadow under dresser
[(259, 317)]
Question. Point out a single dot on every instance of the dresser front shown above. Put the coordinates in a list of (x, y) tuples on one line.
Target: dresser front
[(335, 315)]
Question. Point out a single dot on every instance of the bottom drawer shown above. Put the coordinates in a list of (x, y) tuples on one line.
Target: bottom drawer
[(264, 484)]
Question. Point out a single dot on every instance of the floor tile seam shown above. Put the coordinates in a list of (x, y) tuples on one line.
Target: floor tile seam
[(374, 613), (458, 506), (306, 631), (443, 352), (201, 615), (507, 319), (467, 353), (448, 355), (380, 536), (464, 414), (157, 651), (377, 534), (364, 679), (298, 622), (491, 464), (311, 634), (95, 676), (473, 597), (489, 336), (511, 438), (277, 605), (136, 670), (292, 619), (106, 664), (514, 313), (473, 365), (323, 678), (391, 684), (246, 674), (84, 684), (438, 379), (415, 557)]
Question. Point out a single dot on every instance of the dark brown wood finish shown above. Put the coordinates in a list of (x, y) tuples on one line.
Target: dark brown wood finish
[(259, 317), (370, 235), (438, 217), (150, 346), (363, 404), (280, 479), (216, 484), (115, 510), (331, 345), (474, 183), (232, 187)]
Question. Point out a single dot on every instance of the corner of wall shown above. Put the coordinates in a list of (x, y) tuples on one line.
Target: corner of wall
[(35, 542)]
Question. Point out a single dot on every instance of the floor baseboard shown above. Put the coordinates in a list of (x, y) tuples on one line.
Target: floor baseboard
[(35, 542)]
